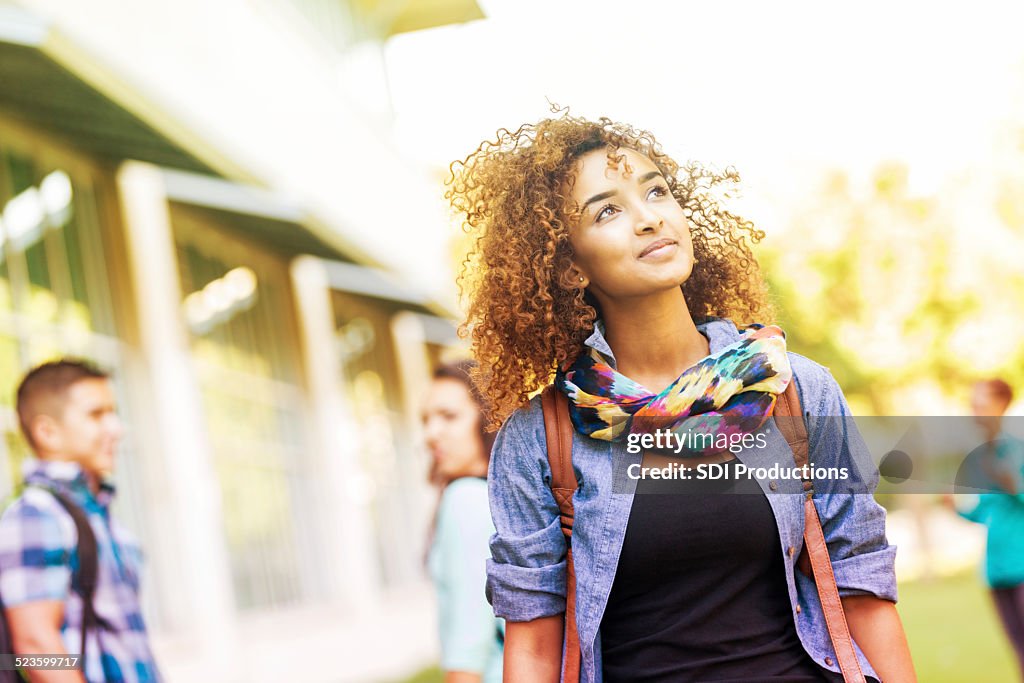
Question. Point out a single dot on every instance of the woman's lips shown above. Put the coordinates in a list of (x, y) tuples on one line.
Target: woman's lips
[(658, 247)]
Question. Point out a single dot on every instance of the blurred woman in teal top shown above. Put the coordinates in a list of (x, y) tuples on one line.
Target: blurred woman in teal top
[(460, 447), (1002, 510)]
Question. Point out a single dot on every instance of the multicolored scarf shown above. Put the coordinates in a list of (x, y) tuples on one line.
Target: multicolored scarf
[(729, 392)]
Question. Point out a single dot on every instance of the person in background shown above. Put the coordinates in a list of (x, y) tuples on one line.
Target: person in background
[(68, 414), (1001, 465), (460, 447)]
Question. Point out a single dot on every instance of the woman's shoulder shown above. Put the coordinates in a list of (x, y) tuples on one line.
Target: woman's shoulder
[(464, 492), (522, 430), (815, 383), (520, 448), (464, 511)]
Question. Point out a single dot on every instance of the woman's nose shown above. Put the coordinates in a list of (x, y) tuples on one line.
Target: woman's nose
[(430, 432), (647, 220)]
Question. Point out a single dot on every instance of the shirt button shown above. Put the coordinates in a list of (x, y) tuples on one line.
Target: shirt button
[(774, 486), (798, 609), (828, 661), (790, 551)]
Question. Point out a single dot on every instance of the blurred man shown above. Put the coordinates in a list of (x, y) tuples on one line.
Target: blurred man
[(68, 414), (1000, 469)]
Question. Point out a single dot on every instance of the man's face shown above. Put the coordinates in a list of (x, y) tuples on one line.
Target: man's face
[(88, 430)]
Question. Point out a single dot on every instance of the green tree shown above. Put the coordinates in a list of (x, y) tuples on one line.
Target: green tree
[(890, 291)]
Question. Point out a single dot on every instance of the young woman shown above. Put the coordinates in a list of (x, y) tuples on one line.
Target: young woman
[(1000, 470), (460, 446), (599, 257)]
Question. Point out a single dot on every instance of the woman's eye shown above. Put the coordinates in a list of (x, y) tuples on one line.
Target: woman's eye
[(657, 191), (605, 212)]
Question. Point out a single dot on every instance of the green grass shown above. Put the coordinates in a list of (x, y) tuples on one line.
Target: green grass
[(431, 675), (954, 632)]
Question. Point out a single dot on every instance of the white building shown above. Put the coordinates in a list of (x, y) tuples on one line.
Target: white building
[(203, 197)]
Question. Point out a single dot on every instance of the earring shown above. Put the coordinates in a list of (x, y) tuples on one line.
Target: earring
[(581, 279)]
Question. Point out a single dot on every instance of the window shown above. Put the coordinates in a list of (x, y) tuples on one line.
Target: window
[(53, 297), (237, 300), (394, 462)]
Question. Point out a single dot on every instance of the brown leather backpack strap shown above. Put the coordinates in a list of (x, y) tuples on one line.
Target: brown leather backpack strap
[(558, 432), (828, 594), (789, 418)]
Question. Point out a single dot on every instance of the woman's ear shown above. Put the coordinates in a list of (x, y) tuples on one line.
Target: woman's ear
[(574, 278)]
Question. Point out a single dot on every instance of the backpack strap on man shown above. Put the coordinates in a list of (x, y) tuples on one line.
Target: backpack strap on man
[(558, 431), (87, 575), (789, 418)]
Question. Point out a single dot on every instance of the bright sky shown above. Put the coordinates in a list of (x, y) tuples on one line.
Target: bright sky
[(776, 89)]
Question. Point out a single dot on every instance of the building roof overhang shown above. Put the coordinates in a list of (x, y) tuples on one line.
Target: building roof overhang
[(48, 83)]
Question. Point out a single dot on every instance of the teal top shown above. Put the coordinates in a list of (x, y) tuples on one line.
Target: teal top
[(471, 636), (1003, 514)]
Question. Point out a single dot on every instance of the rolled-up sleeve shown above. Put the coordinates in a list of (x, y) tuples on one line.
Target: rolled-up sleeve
[(526, 571), (853, 522)]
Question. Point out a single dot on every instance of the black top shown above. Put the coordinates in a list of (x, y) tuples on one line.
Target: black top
[(700, 591)]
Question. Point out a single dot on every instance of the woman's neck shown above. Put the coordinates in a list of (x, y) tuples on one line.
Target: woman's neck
[(994, 429), (654, 339), (477, 470)]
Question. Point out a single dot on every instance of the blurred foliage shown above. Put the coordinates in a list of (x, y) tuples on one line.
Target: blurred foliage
[(901, 299)]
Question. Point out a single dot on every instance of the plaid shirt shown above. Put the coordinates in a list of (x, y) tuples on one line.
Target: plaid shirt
[(38, 549)]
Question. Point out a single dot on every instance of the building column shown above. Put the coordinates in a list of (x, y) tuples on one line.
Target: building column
[(413, 367), (197, 591), (345, 489), (415, 377)]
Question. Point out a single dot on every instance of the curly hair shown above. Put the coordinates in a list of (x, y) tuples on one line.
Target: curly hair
[(525, 316)]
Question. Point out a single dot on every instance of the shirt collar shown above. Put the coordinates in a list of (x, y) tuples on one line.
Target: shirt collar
[(67, 477), (719, 332)]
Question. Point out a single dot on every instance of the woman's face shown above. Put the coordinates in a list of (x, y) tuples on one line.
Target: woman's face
[(988, 408), (632, 238), (451, 426)]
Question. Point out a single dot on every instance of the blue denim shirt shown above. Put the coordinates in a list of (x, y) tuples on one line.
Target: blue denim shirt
[(526, 576)]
